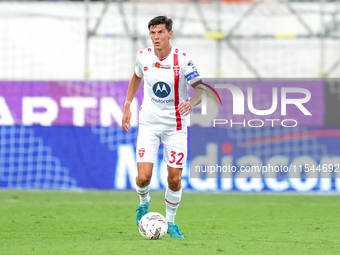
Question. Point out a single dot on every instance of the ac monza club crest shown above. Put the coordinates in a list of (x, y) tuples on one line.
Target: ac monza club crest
[(176, 50), (145, 68), (141, 51), (184, 54), (149, 49), (141, 152), (176, 70)]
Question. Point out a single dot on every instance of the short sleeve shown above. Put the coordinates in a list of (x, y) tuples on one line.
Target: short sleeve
[(189, 67), (138, 68)]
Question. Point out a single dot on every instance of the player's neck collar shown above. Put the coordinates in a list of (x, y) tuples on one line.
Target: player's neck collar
[(161, 59)]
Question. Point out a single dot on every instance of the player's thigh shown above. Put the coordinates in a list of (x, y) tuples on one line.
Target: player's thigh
[(175, 148), (148, 142)]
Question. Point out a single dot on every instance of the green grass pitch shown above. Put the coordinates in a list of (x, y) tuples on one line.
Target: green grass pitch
[(104, 223)]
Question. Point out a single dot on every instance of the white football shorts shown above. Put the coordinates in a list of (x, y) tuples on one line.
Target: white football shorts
[(174, 146)]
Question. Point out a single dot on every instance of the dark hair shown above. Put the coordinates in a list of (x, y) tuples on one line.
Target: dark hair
[(161, 20)]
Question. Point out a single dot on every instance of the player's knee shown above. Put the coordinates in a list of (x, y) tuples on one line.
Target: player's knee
[(143, 180), (174, 181)]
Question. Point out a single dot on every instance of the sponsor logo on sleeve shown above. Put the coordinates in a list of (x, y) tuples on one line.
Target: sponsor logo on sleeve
[(192, 65)]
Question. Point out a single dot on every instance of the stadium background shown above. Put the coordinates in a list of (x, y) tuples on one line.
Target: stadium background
[(58, 58)]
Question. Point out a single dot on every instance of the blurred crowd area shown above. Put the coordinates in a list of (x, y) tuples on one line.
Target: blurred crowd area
[(174, 1), (99, 40)]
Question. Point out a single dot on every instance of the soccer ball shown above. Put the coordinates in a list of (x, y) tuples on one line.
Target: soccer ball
[(153, 226)]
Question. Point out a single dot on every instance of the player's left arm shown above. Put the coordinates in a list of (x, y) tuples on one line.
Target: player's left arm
[(186, 107), (191, 74)]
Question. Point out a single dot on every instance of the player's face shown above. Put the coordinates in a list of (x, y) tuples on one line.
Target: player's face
[(160, 37)]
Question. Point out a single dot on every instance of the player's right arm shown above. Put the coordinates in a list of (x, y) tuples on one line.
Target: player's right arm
[(134, 85)]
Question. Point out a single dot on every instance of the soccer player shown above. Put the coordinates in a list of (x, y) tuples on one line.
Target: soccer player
[(166, 71)]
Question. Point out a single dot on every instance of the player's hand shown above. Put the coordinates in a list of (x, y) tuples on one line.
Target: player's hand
[(185, 107), (126, 119)]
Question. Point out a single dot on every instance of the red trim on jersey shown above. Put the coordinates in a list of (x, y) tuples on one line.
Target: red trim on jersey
[(176, 76), (161, 59), (171, 203)]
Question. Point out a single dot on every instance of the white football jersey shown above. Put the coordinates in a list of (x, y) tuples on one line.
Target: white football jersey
[(165, 86)]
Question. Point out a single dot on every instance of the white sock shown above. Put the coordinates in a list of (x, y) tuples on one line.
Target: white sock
[(143, 193), (172, 200)]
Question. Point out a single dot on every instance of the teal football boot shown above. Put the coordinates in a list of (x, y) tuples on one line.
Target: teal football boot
[(174, 231), (142, 210)]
